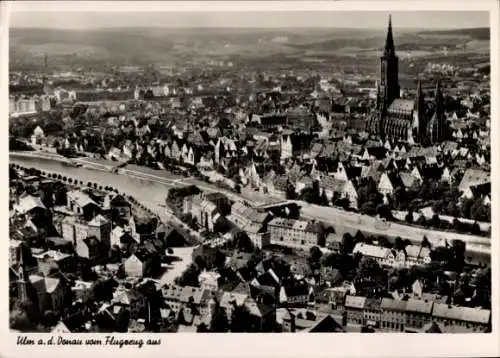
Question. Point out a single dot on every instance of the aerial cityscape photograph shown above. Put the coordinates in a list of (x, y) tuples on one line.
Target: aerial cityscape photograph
[(215, 172)]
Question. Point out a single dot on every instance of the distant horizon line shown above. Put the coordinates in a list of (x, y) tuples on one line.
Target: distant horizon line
[(251, 28)]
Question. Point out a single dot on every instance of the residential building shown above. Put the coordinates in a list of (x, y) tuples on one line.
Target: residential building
[(342, 189), (334, 242), (176, 297), (75, 229), (354, 308), (473, 177), (262, 315), (91, 249), (82, 204), (286, 148), (418, 314), (252, 222), (123, 239), (52, 260), (466, 317), (417, 255), (294, 295), (60, 328), (372, 312), (83, 290), (37, 136), (117, 203), (326, 324), (139, 264), (383, 255), (30, 205), (15, 248), (209, 280), (393, 315), (294, 233), (47, 293)]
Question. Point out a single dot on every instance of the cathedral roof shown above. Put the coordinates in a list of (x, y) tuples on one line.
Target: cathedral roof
[(402, 105)]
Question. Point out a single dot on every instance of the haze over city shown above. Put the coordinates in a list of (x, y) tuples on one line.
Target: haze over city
[(250, 19)]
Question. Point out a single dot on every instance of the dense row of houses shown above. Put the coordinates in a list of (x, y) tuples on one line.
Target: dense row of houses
[(411, 255), (415, 315)]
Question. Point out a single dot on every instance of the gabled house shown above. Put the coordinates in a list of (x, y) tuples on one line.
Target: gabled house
[(343, 189), (446, 176), (60, 328), (82, 204), (262, 315), (140, 264), (30, 205), (473, 177), (386, 186), (123, 239), (209, 280), (294, 294), (142, 227), (477, 191), (49, 260), (409, 181), (47, 293), (354, 308), (116, 202), (286, 148), (250, 176), (37, 136), (90, 248), (417, 255), (225, 148), (175, 150), (383, 255), (83, 290)]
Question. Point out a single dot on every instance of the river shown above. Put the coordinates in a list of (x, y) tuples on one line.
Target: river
[(143, 190)]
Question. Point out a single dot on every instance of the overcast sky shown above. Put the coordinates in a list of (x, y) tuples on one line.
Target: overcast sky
[(339, 19)]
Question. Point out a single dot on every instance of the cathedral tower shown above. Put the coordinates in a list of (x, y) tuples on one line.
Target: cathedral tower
[(439, 120), (388, 89), (420, 112)]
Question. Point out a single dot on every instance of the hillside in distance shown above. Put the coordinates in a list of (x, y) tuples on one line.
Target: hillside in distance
[(140, 46), (407, 40), (478, 33)]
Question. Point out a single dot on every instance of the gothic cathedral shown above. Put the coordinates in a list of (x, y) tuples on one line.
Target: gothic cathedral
[(404, 119)]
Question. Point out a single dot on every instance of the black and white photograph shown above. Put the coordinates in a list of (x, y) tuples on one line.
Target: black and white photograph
[(249, 171)]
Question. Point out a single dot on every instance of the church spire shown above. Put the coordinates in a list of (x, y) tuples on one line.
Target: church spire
[(422, 124), (438, 88), (389, 42), (22, 276), (420, 96), (438, 130), (438, 100)]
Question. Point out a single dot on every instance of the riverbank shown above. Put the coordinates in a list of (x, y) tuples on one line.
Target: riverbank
[(144, 191)]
